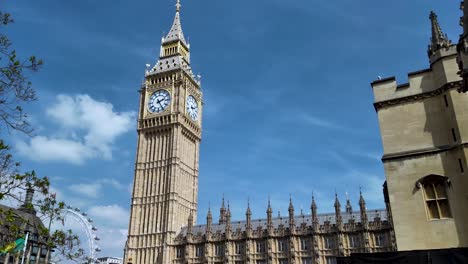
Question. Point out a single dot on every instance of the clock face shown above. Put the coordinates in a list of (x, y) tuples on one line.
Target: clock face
[(192, 108), (159, 101)]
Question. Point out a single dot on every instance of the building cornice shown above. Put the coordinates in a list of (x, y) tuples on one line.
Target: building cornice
[(416, 97), (421, 152)]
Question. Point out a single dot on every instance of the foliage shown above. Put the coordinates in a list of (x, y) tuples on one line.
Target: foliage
[(15, 89)]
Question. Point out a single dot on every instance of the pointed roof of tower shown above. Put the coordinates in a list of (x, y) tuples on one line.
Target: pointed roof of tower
[(439, 40), (269, 209), (362, 202), (209, 215), (313, 206), (349, 207), (176, 32), (248, 212), (337, 201), (291, 206)]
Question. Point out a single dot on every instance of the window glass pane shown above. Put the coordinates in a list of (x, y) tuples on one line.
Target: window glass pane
[(433, 210), (444, 208), (441, 191), (429, 191)]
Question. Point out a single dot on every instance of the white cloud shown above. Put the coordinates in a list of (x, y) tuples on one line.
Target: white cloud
[(112, 241), (89, 129), (90, 190), (113, 215), (42, 148)]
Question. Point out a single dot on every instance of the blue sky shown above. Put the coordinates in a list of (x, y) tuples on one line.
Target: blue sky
[(288, 105)]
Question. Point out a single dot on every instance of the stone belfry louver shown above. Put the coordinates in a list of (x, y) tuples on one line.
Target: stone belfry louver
[(165, 187)]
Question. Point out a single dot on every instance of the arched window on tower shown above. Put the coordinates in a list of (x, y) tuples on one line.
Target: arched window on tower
[(436, 196)]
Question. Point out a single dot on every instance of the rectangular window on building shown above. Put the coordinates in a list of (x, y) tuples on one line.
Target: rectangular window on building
[(260, 261), (199, 251), (305, 244), (219, 250), (260, 246), (282, 245), (379, 240), (330, 260), (446, 101), (460, 163), (283, 261), (306, 260), (454, 135), (240, 248), (329, 242), (239, 262), (179, 252), (437, 201), (354, 241)]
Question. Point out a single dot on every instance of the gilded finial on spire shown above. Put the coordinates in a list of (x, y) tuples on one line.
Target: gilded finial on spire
[(439, 40)]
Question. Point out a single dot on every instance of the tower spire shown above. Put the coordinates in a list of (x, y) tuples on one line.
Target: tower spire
[(439, 40), (269, 216), (338, 211), (178, 5), (222, 213), (176, 33), (349, 207)]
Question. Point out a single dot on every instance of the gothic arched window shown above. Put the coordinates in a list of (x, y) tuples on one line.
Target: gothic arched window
[(436, 197)]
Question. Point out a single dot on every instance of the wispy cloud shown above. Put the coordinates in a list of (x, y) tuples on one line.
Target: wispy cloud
[(90, 190), (93, 190)]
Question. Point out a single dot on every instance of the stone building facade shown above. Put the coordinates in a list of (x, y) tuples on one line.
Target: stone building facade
[(301, 239), (165, 190), (27, 220), (424, 130)]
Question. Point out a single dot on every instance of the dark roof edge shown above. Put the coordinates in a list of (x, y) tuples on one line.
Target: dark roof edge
[(393, 78)]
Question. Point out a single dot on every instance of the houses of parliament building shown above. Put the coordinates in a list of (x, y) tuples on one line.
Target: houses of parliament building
[(424, 125)]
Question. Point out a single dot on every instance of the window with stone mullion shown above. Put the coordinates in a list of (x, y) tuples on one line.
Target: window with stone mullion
[(437, 200)]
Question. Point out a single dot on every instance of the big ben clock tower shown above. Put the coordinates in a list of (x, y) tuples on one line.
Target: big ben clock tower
[(165, 187)]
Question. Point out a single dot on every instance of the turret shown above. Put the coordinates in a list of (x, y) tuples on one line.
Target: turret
[(363, 209), (222, 213), (269, 217), (339, 219), (209, 222), (292, 224), (315, 221), (439, 40), (228, 221), (248, 217), (27, 206), (349, 207), (190, 225)]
